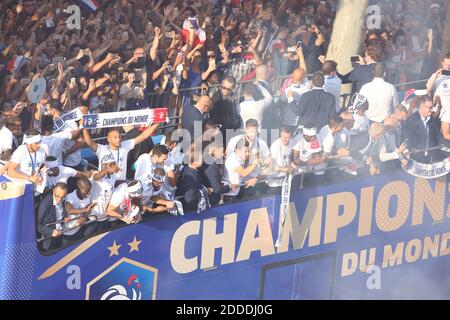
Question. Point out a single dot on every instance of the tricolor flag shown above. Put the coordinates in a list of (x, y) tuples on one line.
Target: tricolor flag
[(90, 5), (200, 35), (15, 63)]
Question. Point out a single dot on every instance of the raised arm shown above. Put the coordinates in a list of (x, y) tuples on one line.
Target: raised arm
[(146, 134)]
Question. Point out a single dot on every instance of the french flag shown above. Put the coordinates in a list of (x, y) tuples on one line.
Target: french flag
[(15, 63), (90, 5), (200, 35)]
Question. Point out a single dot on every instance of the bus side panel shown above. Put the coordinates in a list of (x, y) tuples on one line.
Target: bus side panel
[(17, 243)]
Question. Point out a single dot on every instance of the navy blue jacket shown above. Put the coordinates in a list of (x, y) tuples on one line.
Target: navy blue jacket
[(213, 179), (416, 136), (188, 184), (191, 115), (316, 108)]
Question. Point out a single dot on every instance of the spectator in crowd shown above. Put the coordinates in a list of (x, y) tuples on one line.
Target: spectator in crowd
[(317, 106), (251, 109), (422, 131), (51, 214), (14, 125), (381, 95)]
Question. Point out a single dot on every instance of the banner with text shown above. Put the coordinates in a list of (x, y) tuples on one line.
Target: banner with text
[(125, 118), (428, 171)]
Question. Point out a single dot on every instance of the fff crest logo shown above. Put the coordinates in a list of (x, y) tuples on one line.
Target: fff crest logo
[(124, 280)]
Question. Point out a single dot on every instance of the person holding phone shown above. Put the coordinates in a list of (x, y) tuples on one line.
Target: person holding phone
[(439, 84)]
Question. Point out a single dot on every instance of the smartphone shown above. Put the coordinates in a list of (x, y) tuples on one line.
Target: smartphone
[(446, 72), (299, 44), (125, 36), (72, 80), (49, 22)]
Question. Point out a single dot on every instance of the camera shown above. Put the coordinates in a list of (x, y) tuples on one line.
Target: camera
[(53, 172)]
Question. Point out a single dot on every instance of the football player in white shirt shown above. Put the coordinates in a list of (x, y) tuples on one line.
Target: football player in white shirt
[(28, 159), (103, 182), (147, 162), (154, 195), (239, 170), (53, 142), (78, 206), (125, 204), (281, 151), (258, 147), (117, 148), (58, 173)]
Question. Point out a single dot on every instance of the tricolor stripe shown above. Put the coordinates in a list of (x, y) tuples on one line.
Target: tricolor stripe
[(90, 5)]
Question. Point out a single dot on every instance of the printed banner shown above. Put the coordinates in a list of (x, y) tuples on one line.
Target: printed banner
[(73, 115), (125, 118), (428, 171), (285, 196)]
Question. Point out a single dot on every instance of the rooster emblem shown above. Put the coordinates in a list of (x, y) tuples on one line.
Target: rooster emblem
[(119, 292)]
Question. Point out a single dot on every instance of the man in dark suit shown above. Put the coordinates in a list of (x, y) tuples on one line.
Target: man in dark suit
[(317, 106), (52, 209), (363, 72), (189, 185), (212, 172), (421, 131), (195, 115)]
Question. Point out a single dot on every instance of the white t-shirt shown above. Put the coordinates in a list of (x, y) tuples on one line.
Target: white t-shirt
[(304, 147), (28, 160), (326, 139), (445, 116), (54, 144), (64, 174), (442, 89), (144, 167), (121, 200), (74, 158), (230, 175), (6, 139), (258, 144), (119, 155), (101, 193), (361, 125), (149, 192), (281, 157), (77, 203)]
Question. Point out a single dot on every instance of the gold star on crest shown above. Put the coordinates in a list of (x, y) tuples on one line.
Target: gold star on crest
[(134, 245), (114, 249)]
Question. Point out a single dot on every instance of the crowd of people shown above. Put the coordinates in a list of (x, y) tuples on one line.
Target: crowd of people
[(237, 136)]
